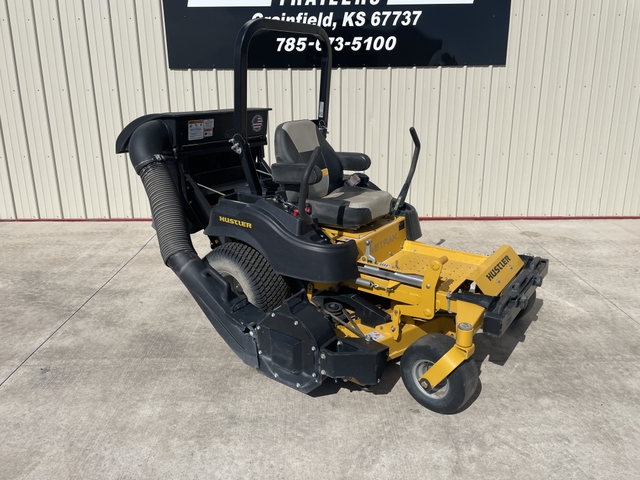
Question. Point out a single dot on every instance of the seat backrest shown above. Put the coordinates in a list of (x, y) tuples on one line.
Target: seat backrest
[(295, 141)]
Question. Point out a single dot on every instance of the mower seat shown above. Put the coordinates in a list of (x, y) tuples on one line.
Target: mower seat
[(333, 203)]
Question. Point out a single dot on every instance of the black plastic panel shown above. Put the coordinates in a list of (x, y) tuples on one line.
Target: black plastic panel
[(411, 34), (214, 135)]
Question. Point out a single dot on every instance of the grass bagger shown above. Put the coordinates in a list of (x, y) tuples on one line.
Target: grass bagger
[(315, 274)]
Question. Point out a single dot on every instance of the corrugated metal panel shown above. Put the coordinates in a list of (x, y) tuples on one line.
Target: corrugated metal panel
[(205, 90), (32, 114), (83, 106), (632, 197), (378, 123), (578, 102), (631, 143), (599, 125), (474, 141), (7, 208), (304, 91), (58, 109), (16, 185), (503, 91), (279, 98), (452, 105), (347, 110), (551, 116), (625, 126), (335, 110), (555, 132), (403, 101), (225, 88), (155, 76), (181, 96), (427, 114), (527, 105), (132, 103), (107, 98)]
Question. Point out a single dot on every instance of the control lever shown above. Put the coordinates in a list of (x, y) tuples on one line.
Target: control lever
[(304, 187), (414, 161)]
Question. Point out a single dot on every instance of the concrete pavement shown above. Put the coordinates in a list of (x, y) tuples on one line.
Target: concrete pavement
[(108, 369)]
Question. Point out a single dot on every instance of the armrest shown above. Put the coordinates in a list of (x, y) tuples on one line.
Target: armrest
[(291, 173), (354, 161)]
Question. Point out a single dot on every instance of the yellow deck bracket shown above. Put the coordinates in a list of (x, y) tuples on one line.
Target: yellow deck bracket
[(426, 308), (468, 320), (430, 285), (443, 367)]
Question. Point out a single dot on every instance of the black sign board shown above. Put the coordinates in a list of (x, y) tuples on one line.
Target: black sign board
[(364, 33)]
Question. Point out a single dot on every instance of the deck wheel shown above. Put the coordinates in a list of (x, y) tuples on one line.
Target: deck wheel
[(453, 392)]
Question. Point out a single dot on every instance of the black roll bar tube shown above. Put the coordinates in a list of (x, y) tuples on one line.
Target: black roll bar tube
[(241, 65)]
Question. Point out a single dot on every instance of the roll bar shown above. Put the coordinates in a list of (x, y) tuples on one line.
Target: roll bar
[(241, 65)]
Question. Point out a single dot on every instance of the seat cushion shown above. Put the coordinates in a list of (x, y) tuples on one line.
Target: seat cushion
[(350, 207), (295, 141)]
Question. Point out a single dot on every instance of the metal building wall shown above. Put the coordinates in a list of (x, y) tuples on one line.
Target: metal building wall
[(554, 133)]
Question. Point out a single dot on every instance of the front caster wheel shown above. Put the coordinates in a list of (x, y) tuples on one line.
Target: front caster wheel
[(453, 392)]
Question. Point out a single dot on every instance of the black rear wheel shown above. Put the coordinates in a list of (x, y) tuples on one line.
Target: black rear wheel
[(249, 274), (453, 392)]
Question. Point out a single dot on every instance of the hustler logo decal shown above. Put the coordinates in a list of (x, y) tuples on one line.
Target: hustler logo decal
[(496, 270), (233, 221)]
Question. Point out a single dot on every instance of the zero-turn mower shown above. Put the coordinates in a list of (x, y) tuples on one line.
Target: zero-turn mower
[(314, 273)]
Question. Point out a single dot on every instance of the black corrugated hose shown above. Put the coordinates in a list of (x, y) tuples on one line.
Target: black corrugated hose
[(146, 145), (166, 210)]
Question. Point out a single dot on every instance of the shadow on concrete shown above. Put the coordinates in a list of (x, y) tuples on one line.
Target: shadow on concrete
[(498, 350)]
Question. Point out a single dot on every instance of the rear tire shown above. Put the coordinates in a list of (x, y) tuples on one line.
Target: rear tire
[(453, 392), (249, 275)]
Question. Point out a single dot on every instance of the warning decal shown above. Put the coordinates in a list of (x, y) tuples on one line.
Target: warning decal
[(375, 335), (208, 127), (196, 129)]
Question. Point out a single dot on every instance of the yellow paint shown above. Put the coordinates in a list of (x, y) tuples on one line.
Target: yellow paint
[(443, 367), (470, 315), (418, 310), (385, 236), (497, 270), (409, 333)]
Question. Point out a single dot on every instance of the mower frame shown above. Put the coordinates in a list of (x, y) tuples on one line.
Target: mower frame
[(358, 297)]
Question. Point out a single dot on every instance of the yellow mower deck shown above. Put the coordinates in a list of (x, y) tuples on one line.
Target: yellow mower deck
[(418, 280)]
